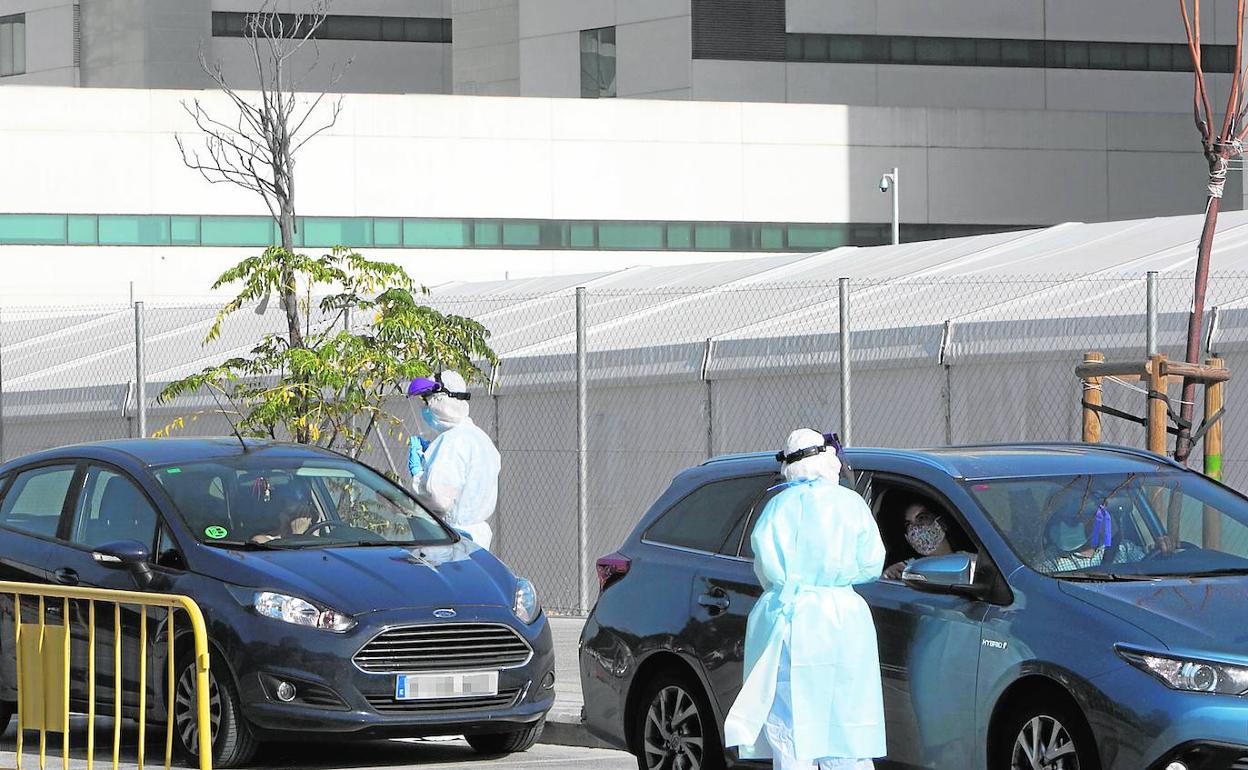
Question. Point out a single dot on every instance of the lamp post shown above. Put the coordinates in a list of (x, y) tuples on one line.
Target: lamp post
[(888, 182)]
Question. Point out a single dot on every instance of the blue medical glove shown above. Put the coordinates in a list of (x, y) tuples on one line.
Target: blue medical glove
[(424, 443), (416, 456)]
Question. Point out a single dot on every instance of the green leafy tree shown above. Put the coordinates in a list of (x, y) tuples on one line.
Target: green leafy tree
[(331, 386)]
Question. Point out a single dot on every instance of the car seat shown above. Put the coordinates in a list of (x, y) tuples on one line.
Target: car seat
[(124, 514), (200, 508)]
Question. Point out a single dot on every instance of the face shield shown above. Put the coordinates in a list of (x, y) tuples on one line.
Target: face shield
[(426, 387)]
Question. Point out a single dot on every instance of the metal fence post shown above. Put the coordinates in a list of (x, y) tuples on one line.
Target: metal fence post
[(709, 402), (846, 431), (3, 456), (582, 451), (1151, 335), (140, 369)]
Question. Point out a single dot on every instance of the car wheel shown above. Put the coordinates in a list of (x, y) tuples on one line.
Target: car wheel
[(675, 728), (1047, 734), (511, 742), (233, 743)]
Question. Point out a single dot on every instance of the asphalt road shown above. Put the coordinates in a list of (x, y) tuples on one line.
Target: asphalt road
[(387, 755), (378, 755)]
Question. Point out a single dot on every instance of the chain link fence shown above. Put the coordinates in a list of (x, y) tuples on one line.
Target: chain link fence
[(673, 375)]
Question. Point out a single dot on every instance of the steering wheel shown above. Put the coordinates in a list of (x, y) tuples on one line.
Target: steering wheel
[(326, 524), (1158, 551)]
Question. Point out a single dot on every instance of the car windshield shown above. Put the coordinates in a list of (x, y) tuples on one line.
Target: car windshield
[(263, 502), (1120, 526)]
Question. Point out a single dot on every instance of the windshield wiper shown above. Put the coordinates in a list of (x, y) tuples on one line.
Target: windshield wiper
[(1208, 572), (1101, 577), (247, 545)]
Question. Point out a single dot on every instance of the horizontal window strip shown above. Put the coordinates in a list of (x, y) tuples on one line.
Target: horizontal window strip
[(396, 29), (989, 52), (469, 233)]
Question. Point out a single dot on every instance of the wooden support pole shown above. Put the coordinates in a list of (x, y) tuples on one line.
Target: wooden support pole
[(1195, 372), (1157, 419), (1103, 368), (1092, 397), (1212, 525)]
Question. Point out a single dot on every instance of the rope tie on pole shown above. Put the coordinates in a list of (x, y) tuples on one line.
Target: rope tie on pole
[(1217, 176)]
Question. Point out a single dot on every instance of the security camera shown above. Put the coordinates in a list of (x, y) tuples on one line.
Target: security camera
[(885, 181)]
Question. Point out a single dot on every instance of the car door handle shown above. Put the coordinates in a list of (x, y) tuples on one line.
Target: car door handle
[(716, 601), (66, 576)]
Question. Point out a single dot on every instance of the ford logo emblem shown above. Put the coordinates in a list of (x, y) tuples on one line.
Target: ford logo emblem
[(444, 614)]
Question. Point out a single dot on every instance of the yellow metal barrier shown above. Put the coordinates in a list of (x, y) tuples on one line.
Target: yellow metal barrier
[(44, 670)]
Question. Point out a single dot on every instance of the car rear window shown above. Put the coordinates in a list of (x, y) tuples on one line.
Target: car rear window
[(34, 501), (705, 517)]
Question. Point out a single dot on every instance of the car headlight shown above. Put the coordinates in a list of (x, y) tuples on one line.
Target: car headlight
[(525, 605), (301, 612), (1189, 674)]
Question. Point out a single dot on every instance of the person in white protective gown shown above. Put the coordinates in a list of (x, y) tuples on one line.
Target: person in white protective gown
[(455, 475), (812, 696)]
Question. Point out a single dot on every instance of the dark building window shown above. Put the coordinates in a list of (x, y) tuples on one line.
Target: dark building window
[(396, 29), (744, 30), (978, 52), (12, 45), (598, 62)]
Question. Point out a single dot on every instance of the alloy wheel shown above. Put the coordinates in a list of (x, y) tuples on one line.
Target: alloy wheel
[(674, 736), (1044, 743), (185, 709)]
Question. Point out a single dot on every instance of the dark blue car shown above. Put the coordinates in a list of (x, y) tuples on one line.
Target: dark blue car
[(335, 605), (1093, 613)]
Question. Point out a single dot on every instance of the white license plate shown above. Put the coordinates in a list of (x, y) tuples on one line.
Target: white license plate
[(469, 684)]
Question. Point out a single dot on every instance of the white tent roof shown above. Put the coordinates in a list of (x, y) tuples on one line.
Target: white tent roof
[(771, 311)]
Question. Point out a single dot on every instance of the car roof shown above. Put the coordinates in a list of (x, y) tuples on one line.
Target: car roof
[(979, 461), (152, 452)]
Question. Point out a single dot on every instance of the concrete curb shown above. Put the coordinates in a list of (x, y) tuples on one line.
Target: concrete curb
[(569, 730)]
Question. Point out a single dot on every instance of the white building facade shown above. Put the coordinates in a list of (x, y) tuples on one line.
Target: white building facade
[(1108, 55), (471, 188)]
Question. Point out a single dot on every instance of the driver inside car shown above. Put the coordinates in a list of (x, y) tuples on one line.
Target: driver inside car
[(295, 517), (1085, 534)]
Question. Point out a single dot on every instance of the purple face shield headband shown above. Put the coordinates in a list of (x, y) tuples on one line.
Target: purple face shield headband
[(425, 387)]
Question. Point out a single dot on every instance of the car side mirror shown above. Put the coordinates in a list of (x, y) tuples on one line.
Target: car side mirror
[(129, 555), (954, 573)]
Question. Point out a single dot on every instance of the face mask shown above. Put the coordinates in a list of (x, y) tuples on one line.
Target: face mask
[(432, 421), (925, 538)]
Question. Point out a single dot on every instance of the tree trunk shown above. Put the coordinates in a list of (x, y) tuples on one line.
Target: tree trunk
[(1195, 322), (290, 299)]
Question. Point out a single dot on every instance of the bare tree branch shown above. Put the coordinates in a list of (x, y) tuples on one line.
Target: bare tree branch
[(1218, 151), (256, 150)]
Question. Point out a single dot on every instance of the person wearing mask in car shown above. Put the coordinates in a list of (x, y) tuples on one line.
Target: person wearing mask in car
[(1078, 538), (455, 475), (812, 696), (926, 533)]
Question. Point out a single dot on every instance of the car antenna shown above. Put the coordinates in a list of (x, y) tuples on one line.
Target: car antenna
[(226, 415)]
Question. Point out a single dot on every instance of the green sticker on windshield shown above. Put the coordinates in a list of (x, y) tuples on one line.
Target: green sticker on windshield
[(216, 533), (173, 470)]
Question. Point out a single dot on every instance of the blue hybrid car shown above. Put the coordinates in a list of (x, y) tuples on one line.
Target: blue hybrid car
[(1090, 613), (336, 606)]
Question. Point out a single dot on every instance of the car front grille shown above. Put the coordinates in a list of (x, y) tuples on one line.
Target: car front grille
[(444, 647), (388, 704)]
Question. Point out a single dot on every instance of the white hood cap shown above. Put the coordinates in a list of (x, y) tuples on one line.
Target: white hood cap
[(823, 465)]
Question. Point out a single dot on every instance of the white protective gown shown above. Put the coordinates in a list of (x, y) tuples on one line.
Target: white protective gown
[(460, 479), (812, 691)]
